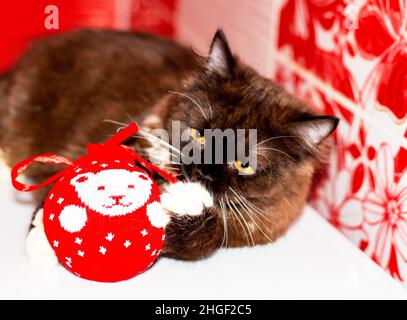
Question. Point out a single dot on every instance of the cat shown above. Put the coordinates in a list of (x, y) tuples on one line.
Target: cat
[(55, 100)]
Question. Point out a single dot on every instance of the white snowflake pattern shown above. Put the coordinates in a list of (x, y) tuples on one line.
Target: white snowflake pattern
[(131, 165), (78, 170), (109, 236), (127, 243), (81, 253), (94, 162), (55, 243), (60, 200), (153, 253), (102, 250), (51, 217), (148, 247), (144, 232), (51, 196), (104, 165), (117, 161), (78, 240)]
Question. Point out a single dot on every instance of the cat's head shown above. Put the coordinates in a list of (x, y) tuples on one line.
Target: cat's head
[(291, 138), (230, 95)]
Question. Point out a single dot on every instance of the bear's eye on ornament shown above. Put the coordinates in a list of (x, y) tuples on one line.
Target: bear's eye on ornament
[(100, 188), (130, 186), (82, 179)]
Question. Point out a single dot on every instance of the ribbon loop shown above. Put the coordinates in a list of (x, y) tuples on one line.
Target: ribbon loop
[(22, 166)]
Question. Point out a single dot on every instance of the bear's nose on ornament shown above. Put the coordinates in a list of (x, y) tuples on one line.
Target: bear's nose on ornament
[(116, 198)]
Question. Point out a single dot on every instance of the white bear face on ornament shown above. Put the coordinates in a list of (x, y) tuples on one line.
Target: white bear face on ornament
[(113, 192)]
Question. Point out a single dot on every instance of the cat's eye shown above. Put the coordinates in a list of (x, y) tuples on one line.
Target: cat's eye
[(130, 186), (100, 188), (243, 168), (197, 136)]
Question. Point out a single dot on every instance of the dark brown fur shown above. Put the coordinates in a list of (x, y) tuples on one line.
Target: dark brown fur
[(57, 97)]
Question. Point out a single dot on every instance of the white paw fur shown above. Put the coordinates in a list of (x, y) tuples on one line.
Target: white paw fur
[(158, 218), (188, 198), (37, 247)]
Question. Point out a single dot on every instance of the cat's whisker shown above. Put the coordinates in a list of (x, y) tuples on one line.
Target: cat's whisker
[(156, 147), (245, 222), (232, 215), (169, 168), (278, 150), (210, 109), (270, 166), (225, 225), (194, 101), (130, 118), (149, 135), (251, 205), (235, 215), (288, 203), (252, 216), (116, 122), (156, 158), (273, 138), (286, 154), (257, 211), (238, 215)]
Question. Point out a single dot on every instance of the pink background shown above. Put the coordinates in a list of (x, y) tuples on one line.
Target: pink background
[(347, 58)]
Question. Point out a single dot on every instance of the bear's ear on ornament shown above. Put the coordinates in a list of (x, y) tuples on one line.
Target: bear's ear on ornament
[(81, 178)]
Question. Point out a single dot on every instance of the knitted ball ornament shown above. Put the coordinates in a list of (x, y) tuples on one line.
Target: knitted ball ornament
[(103, 216)]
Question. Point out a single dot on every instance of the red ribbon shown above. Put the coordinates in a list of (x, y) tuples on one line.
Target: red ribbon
[(117, 139)]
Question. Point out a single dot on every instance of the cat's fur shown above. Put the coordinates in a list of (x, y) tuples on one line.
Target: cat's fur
[(56, 98)]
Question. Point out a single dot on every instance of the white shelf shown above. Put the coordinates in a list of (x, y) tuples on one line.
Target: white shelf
[(312, 261)]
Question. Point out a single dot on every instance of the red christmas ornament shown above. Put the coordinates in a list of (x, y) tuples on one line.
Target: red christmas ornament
[(103, 216)]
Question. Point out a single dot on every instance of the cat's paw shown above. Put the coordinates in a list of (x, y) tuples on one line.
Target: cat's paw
[(157, 216), (38, 249), (186, 198)]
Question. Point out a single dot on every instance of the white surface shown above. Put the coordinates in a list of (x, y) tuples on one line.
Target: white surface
[(312, 261)]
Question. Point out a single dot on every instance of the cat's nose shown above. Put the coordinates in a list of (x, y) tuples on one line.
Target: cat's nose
[(116, 198)]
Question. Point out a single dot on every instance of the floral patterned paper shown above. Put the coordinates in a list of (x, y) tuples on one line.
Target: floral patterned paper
[(359, 49)]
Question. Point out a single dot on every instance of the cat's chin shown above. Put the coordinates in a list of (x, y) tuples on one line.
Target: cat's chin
[(186, 198)]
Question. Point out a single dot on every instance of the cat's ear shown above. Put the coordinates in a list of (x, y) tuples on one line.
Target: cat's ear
[(314, 129), (220, 58)]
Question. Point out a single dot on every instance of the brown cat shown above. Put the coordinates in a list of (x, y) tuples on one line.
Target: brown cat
[(57, 98)]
